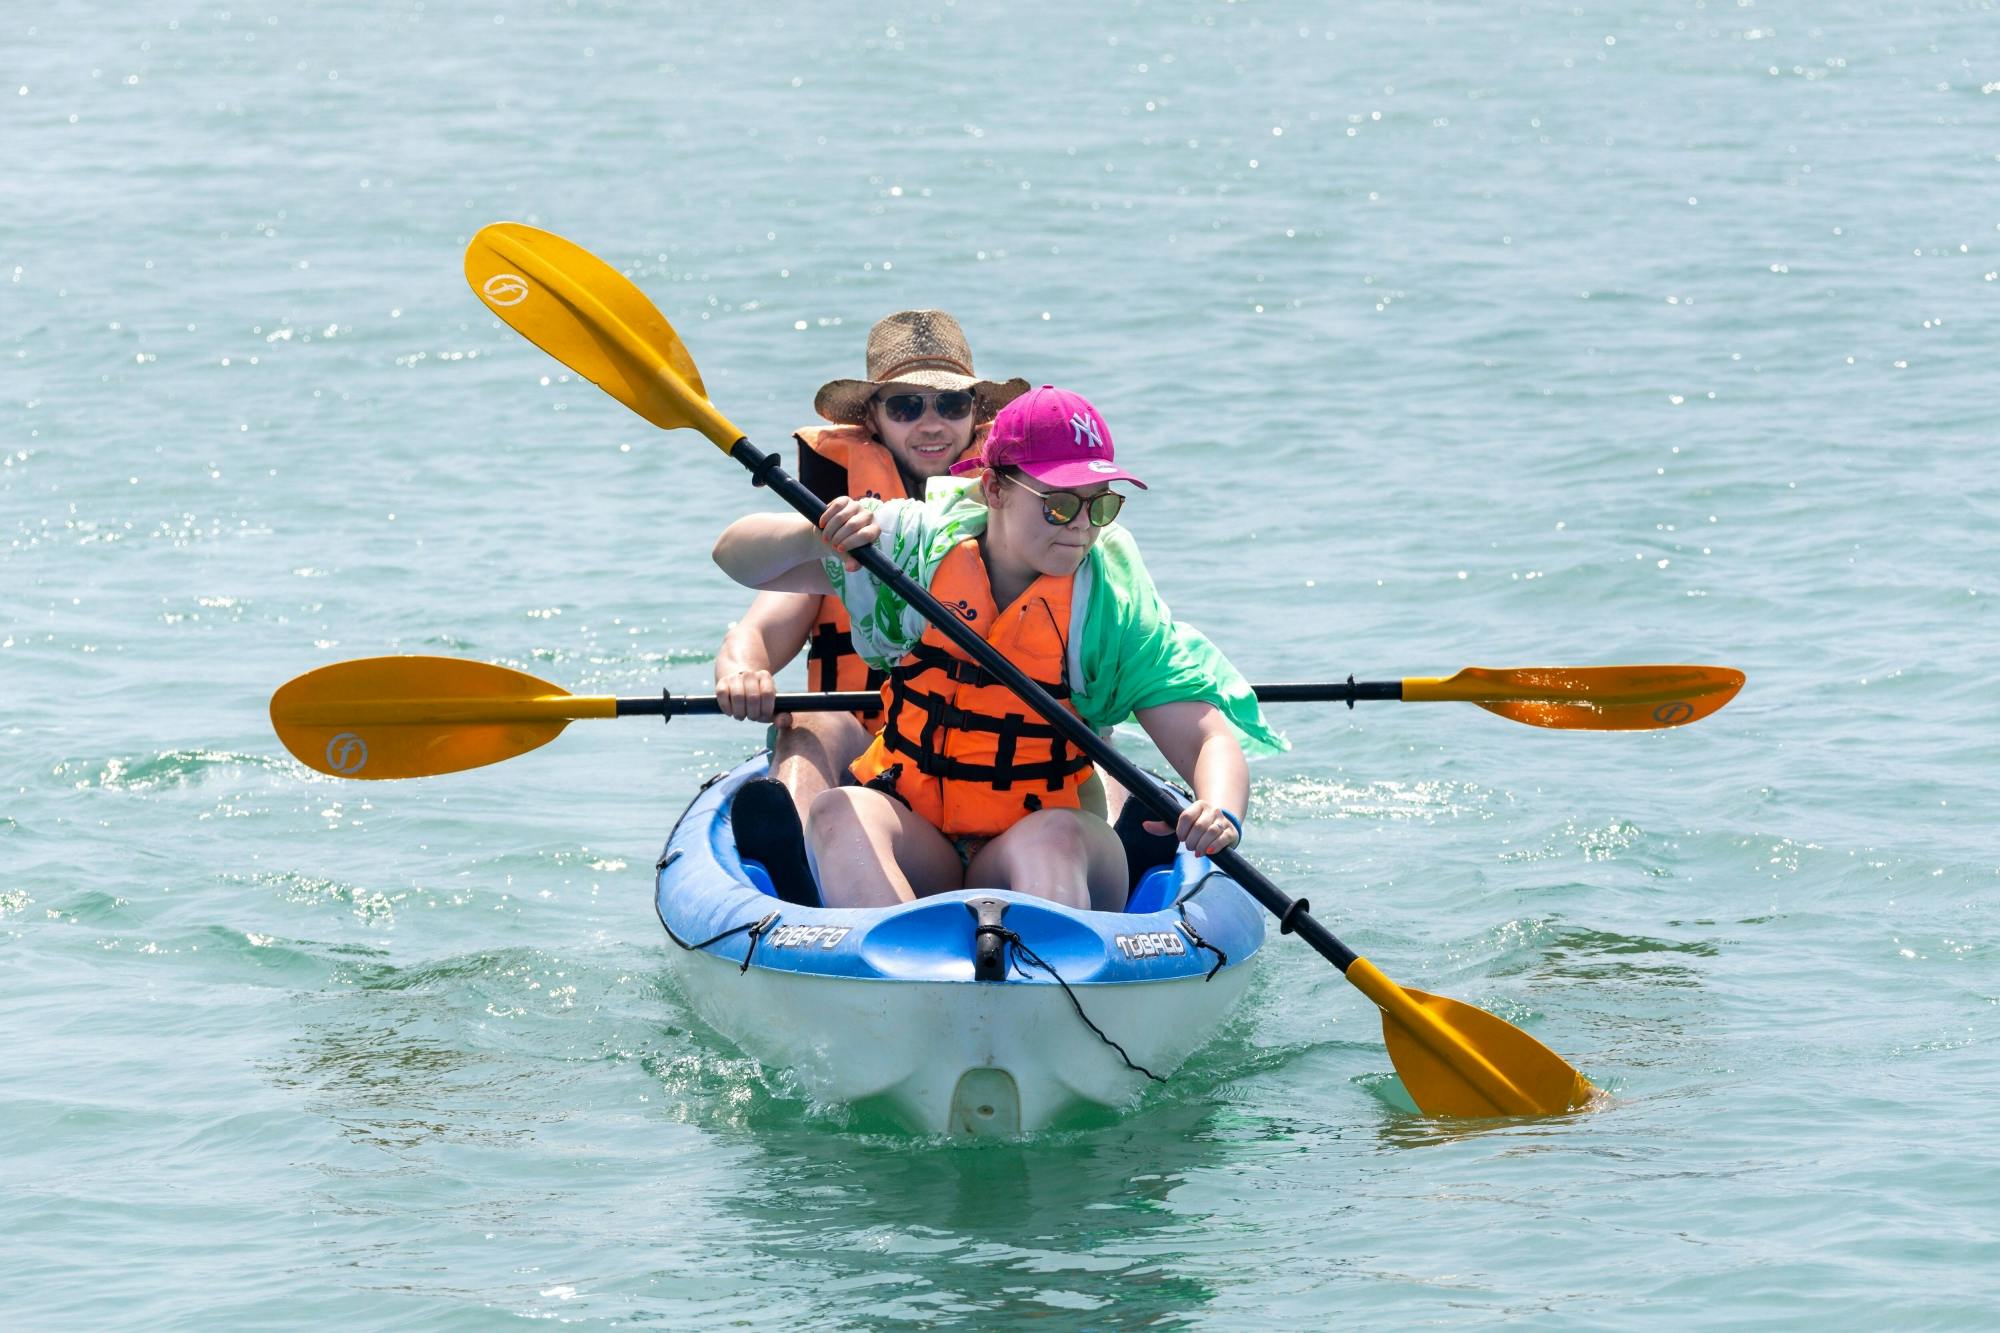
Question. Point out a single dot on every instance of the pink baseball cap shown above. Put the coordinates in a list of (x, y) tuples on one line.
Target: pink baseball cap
[(1053, 435)]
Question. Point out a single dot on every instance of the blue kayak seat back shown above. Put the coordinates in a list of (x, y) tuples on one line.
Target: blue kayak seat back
[(760, 878), (1147, 855), (1155, 892)]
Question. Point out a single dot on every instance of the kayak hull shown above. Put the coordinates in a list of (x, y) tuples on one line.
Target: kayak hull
[(881, 1008), (957, 1058)]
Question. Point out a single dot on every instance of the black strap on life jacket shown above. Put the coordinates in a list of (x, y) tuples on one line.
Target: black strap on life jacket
[(820, 474), (824, 649), (940, 715), (927, 657)]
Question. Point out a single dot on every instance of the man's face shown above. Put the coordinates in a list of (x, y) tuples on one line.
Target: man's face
[(928, 446)]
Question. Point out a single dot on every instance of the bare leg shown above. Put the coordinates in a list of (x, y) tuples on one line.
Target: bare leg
[(871, 850), (813, 753), (1067, 856), (1090, 796), (1115, 796)]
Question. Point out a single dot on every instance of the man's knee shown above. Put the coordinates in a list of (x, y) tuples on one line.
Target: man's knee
[(835, 736)]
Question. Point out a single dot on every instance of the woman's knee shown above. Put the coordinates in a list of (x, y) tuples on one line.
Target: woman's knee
[(1066, 833), (1053, 847), (835, 811), (856, 810), (873, 851)]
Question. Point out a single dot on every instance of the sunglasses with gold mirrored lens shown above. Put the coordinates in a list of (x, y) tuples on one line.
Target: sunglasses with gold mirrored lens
[(1060, 508)]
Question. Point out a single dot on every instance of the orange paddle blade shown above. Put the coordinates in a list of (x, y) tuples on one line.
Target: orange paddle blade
[(589, 316), (1606, 698), (1458, 1060), (410, 717)]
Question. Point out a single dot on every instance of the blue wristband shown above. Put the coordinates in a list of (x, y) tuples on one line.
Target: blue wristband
[(1234, 820)]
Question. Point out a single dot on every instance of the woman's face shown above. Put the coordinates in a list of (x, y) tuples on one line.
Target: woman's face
[(1023, 534)]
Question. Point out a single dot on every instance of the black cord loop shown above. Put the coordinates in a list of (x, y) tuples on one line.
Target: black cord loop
[(1021, 950), (756, 929), (1194, 938), (1187, 926)]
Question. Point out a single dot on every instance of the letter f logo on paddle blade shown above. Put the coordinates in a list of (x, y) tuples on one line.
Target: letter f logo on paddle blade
[(346, 754), (505, 289)]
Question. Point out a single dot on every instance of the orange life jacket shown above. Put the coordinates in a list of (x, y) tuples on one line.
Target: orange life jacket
[(958, 747)]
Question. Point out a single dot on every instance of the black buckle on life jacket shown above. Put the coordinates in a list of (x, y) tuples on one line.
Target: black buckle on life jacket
[(885, 782)]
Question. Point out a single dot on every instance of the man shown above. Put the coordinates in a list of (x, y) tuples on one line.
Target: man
[(919, 410)]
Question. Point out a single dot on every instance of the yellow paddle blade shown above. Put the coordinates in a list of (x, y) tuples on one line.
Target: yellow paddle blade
[(1458, 1060), (589, 316), (1607, 698), (411, 717)]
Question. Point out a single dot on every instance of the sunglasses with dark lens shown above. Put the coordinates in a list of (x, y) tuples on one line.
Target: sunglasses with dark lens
[(951, 404), (1060, 508)]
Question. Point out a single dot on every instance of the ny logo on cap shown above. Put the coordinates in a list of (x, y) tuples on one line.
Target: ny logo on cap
[(1082, 427)]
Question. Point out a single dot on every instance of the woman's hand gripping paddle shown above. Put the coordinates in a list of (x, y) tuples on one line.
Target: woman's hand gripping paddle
[(1455, 1060)]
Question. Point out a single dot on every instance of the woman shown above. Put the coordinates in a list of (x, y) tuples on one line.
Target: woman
[(965, 785)]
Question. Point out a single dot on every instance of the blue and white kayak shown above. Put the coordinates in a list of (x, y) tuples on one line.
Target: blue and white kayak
[(970, 1012)]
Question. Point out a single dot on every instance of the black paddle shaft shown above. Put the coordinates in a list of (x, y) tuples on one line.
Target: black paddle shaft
[(1293, 917), (870, 701)]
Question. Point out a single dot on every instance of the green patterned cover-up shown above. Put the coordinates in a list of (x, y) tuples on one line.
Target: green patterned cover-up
[(1127, 652)]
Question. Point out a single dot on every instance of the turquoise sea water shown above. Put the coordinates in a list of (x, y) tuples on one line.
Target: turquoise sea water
[(1449, 334)]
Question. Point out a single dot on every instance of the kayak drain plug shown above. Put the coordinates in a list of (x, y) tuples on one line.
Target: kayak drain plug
[(989, 939)]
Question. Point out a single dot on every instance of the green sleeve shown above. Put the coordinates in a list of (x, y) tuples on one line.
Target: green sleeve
[(1136, 655)]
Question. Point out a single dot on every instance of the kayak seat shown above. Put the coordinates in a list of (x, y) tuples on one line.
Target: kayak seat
[(1155, 890), (1146, 854), (760, 878)]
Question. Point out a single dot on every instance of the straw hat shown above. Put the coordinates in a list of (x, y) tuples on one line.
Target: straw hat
[(924, 349)]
